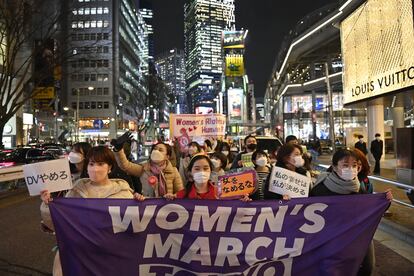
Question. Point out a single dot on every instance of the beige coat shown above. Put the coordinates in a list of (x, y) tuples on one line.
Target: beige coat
[(83, 188), (172, 177)]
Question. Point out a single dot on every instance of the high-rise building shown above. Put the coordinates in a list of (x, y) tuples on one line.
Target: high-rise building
[(147, 15), (106, 80), (171, 69), (204, 21)]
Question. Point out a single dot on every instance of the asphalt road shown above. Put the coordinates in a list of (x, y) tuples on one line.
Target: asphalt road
[(26, 250)]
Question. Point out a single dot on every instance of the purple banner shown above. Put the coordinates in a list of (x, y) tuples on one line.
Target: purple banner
[(306, 236)]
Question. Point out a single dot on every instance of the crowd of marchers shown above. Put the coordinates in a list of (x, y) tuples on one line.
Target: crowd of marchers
[(192, 172)]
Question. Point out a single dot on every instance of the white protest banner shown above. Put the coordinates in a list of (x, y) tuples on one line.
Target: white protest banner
[(52, 175), (191, 125), (286, 182)]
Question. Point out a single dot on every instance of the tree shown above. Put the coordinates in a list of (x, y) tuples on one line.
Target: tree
[(22, 25)]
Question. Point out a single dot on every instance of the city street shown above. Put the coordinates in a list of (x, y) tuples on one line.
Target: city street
[(26, 250)]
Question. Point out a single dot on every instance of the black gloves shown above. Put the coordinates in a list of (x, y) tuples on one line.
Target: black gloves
[(119, 143)]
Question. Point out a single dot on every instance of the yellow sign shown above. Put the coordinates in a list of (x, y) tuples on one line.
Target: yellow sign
[(44, 93), (377, 49), (234, 66)]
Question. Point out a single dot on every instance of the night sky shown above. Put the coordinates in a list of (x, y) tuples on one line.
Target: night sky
[(268, 21)]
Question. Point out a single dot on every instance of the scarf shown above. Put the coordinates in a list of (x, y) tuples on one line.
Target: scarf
[(157, 170), (337, 185)]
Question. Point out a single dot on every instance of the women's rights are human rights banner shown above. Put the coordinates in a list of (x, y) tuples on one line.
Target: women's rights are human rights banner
[(306, 236)]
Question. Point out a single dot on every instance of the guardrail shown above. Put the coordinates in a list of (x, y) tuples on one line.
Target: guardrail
[(11, 173), (408, 188)]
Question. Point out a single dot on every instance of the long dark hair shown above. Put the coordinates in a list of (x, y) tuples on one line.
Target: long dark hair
[(195, 158)]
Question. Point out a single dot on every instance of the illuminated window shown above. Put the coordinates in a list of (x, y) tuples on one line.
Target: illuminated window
[(93, 10), (99, 23)]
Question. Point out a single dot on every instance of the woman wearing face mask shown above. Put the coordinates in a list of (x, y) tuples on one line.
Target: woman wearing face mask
[(289, 156), (224, 148), (77, 160), (100, 162), (199, 186), (263, 169), (219, 161), (192, 149), (158, 177), (343, 180)]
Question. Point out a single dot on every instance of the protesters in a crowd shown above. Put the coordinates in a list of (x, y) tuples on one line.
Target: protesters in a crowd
[(116, 172), (224, 148), (219, 161), (363, 172), (260, 160), (193, 148), (199, 186), (208, 146), (291, 139), (77, 160), (289, 156), (343, 180), (250, 143), (100, 162), (158, 177)]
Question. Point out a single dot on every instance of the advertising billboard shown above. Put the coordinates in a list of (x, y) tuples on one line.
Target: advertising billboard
[(233, 39), (377, 49), (234, 66), (203, 110), (235, 105)]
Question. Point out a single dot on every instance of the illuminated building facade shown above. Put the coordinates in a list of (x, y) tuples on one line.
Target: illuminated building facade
[(171, 69), (204, 21), (106, 81)]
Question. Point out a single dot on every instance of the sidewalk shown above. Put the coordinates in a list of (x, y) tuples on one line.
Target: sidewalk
[(400, 222)]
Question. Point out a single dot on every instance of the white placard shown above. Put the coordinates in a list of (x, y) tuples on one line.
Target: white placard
[(52, 175), (286, 182)]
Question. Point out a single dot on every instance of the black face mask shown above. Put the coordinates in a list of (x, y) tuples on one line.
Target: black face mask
[(251, 146)]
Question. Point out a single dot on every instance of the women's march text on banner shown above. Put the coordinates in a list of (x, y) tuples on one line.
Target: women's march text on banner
[(286, 182), (52, 175)]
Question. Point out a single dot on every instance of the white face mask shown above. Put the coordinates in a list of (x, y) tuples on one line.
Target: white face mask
[(361, 140), (75, 157), (298, 161), (349, 173), (261, 162), (216, 163), (157, 156), (378, 138), (201, 177), (225, 152)]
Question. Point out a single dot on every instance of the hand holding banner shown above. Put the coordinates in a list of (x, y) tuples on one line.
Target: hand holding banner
[(286, 182), (237, 184), (52, 175)]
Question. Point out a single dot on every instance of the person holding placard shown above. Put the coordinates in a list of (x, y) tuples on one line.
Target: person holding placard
[(199, 185), (158, 176), (289, 156), (250, 143), (100, 162), (342, 179)]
